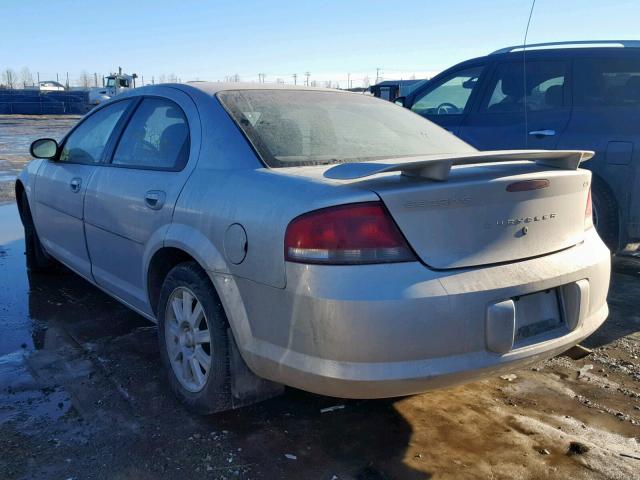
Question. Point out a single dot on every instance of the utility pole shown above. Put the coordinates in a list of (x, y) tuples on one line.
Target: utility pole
[(348, 81), (378, 72), (38, 73), (295, 78), (67, 80), (142, 80), (307, 74), (95, 79)]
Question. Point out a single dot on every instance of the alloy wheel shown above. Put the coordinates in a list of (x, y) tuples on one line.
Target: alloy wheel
[(188, 339)]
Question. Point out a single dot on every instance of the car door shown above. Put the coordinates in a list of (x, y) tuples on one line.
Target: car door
[(129, 203), (499, 120), (605, 119), (446, 100), (61, 186)]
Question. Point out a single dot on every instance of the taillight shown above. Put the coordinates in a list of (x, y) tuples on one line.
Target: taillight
[(347, 234), (588, 213)]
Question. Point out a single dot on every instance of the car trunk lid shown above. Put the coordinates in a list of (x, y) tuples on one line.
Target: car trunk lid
[(486, 210)]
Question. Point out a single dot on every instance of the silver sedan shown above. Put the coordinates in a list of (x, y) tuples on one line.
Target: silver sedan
[(320, 239)]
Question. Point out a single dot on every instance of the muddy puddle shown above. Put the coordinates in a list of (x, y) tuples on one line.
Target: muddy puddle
[(82, 395), (16, 134)]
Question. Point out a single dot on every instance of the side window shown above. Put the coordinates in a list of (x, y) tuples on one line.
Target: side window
[(157, 137), (607, 82), (450, 97), (545, 87), (86, 143)]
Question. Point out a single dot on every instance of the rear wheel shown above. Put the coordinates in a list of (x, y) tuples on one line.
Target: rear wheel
[(192, 331), (37, 259), (605, 213)]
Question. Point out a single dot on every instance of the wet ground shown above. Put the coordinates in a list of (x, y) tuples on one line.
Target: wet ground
[(82, 396), (16, 134)]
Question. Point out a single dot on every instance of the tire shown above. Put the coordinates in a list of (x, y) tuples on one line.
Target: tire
[(605, 214), (37, 259), (179, 339)]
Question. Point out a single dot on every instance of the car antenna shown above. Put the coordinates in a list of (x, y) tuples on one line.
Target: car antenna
[(524, 73)]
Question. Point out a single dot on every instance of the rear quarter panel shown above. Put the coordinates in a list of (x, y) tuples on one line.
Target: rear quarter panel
[(263, 202)]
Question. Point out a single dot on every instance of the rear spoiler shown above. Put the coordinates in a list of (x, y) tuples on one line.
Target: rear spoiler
[(437, 167)]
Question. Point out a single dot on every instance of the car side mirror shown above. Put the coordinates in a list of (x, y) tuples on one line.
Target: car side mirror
[(44, 148), (400, 101)]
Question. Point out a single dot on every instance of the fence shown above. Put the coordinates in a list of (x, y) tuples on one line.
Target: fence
[(34, 102)]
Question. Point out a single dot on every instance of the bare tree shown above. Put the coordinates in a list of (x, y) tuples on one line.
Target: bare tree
[(279, 80), (172, 78), (9, 78), (162, 78), (26, 78), (412, 77), (327, 84), (235, 78), (314, 83), (85, 79), (366, 83)]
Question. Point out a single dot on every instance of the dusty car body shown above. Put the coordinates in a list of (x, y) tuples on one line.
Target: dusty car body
[(365, 277)]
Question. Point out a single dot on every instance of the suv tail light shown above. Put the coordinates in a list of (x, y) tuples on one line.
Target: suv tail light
[(588, 213), (347, 234)]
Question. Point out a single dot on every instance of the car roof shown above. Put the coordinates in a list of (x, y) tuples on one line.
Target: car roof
[(551, 50), (561, 49)]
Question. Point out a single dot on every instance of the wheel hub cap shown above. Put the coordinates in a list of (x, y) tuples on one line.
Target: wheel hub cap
[(188, 339)]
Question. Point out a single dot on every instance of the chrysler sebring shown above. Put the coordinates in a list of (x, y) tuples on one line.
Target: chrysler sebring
[(325, 240)]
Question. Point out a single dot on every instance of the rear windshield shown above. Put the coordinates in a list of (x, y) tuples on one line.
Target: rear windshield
[(300, 127)]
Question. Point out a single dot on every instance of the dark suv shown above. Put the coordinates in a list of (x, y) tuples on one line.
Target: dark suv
[(576, 98)]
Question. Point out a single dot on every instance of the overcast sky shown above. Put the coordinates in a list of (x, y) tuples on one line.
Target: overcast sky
[(202, 40)]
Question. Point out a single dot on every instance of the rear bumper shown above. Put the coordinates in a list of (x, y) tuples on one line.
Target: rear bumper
[(390, 330)]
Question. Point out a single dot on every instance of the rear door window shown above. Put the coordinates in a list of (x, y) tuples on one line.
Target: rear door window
[(545, 88), (156, 137), (607, 82), (87, 142), (450, 96)]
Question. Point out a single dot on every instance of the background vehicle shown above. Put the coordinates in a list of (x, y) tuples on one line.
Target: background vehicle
[(251, 223), (51, 86), (577, 98), (114, 84)]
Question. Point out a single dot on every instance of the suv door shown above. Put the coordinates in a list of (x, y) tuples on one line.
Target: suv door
[(129, 202), (447, 99), (61, 186), (605, 119), (500, 120)]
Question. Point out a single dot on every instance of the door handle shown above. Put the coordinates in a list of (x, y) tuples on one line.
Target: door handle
[(154, 199), (75, 184), (543, 133)]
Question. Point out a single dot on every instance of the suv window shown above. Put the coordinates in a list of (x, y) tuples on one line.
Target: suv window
[(545, 88), (86, 143), (450, 96), (156, 137), (607, 82)]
